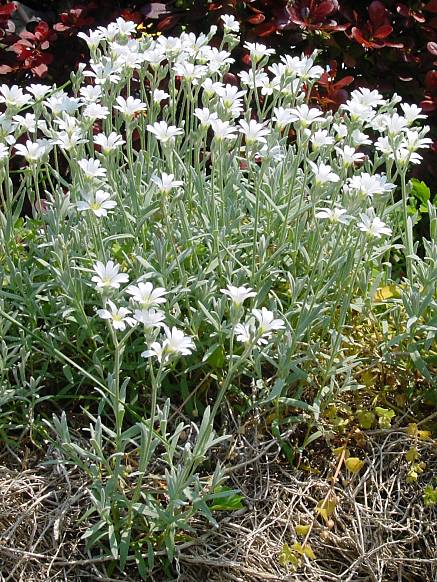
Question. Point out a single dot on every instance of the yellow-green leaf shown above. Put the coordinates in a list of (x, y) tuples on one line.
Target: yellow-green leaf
[(302, 530), (387, 292), (414, 432), (304, 550), (412, 455), (354, 464), (326, 509), (287, 557), (366, 418), (339, 451)]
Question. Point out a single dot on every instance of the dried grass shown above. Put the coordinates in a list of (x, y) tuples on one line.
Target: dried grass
[(381, 531)]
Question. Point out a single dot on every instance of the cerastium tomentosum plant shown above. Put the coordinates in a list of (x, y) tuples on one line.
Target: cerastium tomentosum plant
[(185, 229)]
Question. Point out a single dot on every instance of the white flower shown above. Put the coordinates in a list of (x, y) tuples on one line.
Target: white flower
[(28, 122), (266, 322), (244, 332), (129, 107), (369, 185), (230, 96), (238, 294), (69, 140), (379, 122), (259, 327), (230, 24), (258, 51), (321, 138), (283, 116), (164, 132), (367, 97), (4, 151), (260, 79), (13, 97), (109, 143), (67, 122), (211, 88), (105, 71), (216, 58), (335, 215), (108, 276), (413, 141), (322, 173), (119, 316), (308, 70), (395, 124), (149, 317), (223, 129), (292, 65), (60, 103), (33, 151), (359, 138), (93, 39), (349, 155), (358, 111), (158, 95), (39, 91), (175, 343), (372, 225), (99, 203), (166, 182), (154, 57), (95, 111), (305, 115), (412, 112), (384, 146), (253, 131), (146, 295), (276, 152), (341, 130), (404, 156), (189, 71), (205, 116), (90, 93), (92, 169)]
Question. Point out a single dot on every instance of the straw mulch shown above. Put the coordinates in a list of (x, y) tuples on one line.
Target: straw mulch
[(380, 530)]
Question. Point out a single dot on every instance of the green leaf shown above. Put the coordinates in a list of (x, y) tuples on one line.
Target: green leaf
[(124, 546), (287, 557), (421, 191), (226, 500), (113, 543)]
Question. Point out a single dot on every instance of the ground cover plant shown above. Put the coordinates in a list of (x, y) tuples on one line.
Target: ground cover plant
[(176, 248)]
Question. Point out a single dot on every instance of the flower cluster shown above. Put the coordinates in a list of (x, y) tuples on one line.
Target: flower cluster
[(158, 137)]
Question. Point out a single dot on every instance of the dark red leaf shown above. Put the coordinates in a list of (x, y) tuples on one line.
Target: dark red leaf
[(256, 19), (428, 105), (431, 80), (403, 10), (7, 10), (358, 37), (377, 12), (431, 6), (168, 22), (383, 31), (432, 48), (265, 29), (5, 69), (324, 8), (344, 82)]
